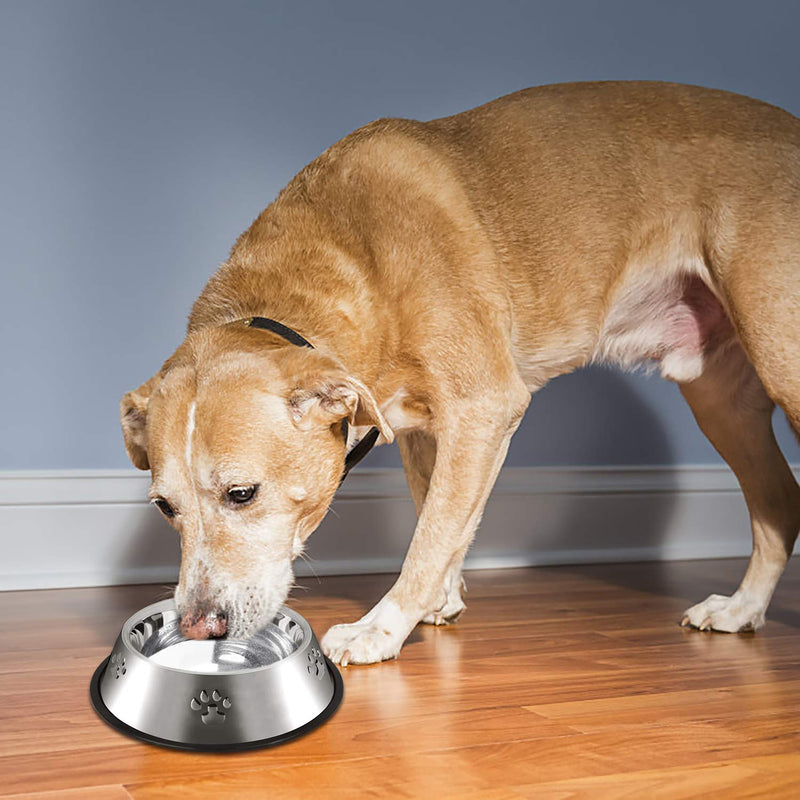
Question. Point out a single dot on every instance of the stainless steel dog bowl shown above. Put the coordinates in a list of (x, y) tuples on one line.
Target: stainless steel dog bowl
[(216, 694)]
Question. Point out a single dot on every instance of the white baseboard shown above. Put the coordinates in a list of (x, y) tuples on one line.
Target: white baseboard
[(94, 528)]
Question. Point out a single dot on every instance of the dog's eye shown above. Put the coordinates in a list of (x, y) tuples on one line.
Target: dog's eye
[(164, 507), (242, 494)]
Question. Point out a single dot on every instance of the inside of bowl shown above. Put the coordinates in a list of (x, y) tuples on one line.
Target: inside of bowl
[(159, 638)]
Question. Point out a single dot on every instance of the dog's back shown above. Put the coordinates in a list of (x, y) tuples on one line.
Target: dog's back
[(577, 176)]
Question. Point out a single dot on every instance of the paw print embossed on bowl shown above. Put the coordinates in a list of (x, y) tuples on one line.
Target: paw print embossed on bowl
[(117, 663), (212, 706), (316, 663)]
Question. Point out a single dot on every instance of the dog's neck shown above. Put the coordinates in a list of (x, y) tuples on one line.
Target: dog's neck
[(358, 448)]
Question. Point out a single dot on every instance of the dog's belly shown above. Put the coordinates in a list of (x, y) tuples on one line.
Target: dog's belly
[(676, 322), (673, 322)]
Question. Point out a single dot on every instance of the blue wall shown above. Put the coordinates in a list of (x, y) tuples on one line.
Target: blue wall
[(138, 139)]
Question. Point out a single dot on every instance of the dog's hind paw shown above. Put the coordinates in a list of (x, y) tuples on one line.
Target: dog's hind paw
[(726, 614)]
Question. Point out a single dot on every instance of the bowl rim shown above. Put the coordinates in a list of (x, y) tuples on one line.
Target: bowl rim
[(169, 605)]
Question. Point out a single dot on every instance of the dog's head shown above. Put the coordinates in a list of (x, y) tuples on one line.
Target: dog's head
[(243, 435)]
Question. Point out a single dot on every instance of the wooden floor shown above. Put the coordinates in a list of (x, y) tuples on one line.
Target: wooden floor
[(560, 682)]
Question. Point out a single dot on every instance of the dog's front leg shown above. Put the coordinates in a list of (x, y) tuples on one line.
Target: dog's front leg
[(471, 445)]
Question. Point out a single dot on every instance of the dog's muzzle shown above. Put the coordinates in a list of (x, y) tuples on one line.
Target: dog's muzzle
[(204, 624)]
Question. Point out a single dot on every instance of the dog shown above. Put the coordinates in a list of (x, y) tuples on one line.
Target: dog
[(444, 271)]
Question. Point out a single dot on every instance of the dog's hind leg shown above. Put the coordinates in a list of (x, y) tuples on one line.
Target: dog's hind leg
[(418, 450), (734, 411)]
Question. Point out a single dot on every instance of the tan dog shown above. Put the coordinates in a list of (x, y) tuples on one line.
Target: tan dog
[(444, 271)]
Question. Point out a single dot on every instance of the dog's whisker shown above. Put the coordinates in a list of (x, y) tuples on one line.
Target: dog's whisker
[(308, 560), (296, 585)]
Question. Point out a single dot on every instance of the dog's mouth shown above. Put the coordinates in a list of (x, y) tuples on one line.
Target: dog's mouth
[(231, 609), (204, 625), (218, 624)]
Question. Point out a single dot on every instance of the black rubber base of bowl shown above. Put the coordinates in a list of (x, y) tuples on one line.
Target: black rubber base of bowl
[(110, 719)]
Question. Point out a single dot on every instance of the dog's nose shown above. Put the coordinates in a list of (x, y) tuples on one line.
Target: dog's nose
[(202, 624)]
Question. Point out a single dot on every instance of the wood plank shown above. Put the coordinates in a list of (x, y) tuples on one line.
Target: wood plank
[(775, 700), (84, 793), (775, 777), (381, 778)]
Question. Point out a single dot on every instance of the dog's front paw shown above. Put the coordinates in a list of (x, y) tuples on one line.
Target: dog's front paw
[(360, 643), (446, 615), (727, 614), (378, 636), (452, 606)]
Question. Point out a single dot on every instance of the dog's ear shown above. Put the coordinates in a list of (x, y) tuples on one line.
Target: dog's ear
[(334, 397), (133, 417)]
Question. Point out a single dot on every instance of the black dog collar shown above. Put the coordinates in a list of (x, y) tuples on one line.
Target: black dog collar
[(276, 327), (364, 445)]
